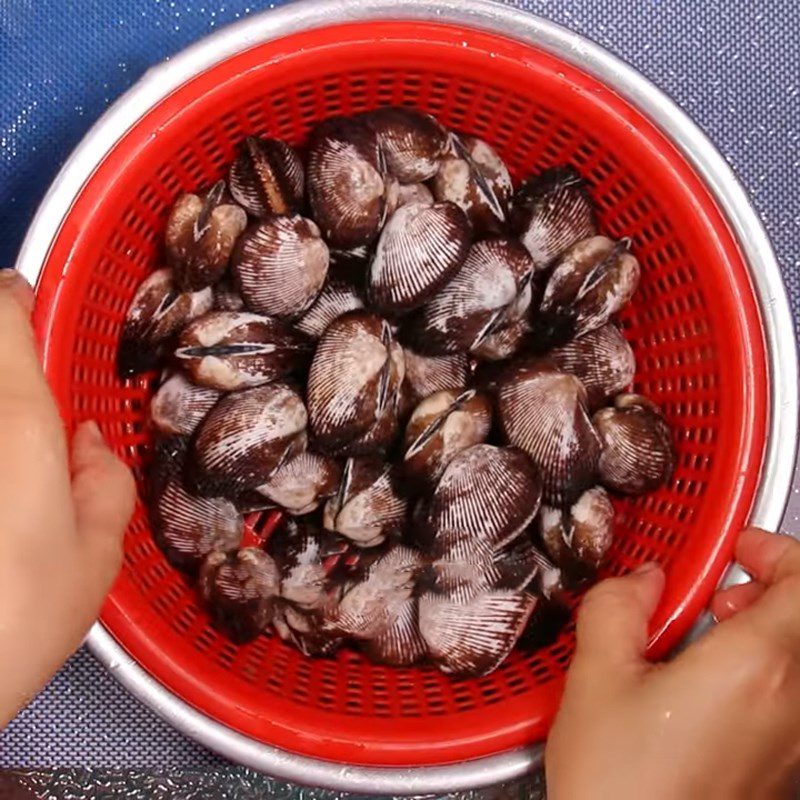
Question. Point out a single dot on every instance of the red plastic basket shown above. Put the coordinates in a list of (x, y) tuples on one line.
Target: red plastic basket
[(694, 326)]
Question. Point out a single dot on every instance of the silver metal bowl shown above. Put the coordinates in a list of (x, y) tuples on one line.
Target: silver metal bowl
[(685, 135)]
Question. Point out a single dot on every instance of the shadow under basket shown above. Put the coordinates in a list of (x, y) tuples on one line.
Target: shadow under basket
[(694, 326)]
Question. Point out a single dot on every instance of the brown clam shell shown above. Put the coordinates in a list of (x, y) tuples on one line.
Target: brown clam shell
[(350, 266), (543, 411), (267, 177), (226, 296), (413, 193), (178, 407), (550, 212), (425, 375), (280, 266), (638, 450), (336, 298), (420, 249), (301, 484), (304, 630), (507, 336), (200, 235), (229, 350), (401, 644)]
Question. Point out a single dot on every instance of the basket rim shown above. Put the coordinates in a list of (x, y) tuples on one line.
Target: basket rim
[(694, 146)]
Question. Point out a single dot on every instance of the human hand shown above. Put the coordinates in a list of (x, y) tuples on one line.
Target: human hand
[(63, 510), (720, 721)]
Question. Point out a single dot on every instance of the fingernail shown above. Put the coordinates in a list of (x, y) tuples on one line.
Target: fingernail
[(93, 432), (643, 569)]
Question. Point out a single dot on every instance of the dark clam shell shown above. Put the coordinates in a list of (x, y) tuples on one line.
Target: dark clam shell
[(304, 630), (603, 361), (336, 298), (412, 143), (474, 177), (426, 375), (420, 249), (350, 266), (507, 336), (178, 407), (200, 236), (239, 590), (368, 508), (301, 484), (401, 644), (156, 313), (441, 426), (550, 212), (474, 302), (638, 451), (229, 350), (345, 184), (543, 411), (246, 437), (280, 266), (226, 297), (590, 283), (413, 193), (267, 177)]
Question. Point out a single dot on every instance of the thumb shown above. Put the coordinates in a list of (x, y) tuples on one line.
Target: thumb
[(613, 620)]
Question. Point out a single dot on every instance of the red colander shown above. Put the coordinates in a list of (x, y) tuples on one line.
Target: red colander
[(706, 328)]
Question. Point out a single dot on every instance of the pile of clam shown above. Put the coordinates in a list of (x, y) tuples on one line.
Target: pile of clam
[(418, 364)]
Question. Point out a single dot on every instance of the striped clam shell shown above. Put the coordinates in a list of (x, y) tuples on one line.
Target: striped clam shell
[(420, 249), (280, 266), (401, 644), (246, 437), (178, 407), (230, 350), (550, 212), (543, 411), (603, 361), (267, 177), (509, 333), (638, 450), (336, 298), (301, 484), (425, 375)]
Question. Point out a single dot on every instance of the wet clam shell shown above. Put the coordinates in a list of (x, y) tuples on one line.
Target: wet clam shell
[(304, 630), (267, 177), (229, 350), (550, 212), (200, 236), (420, 249), (401, 644), (603, 361), (178, 407), (638, 450), (246, 437), (543, 411), (280, 266), (239, 590), (336, 298), (345, 184), (426, 375), (509, 333), (156, 313), (304, 482)]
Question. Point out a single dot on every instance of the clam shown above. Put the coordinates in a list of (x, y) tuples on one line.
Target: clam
[(246, 437), (425, 375), (226, 297), (200, 236), (301, 484), (474, 177), (441, 426), (507, 336), (280, 266), (178, 407), (229, 350), (458, 318), (336, 298), (590, 283), (350, 266), (413, 193), (602, 359), (550, 212), (638, 451), (543, 411), (345, 182), (304, 630), (368, 508), (239, 590), (401, 644), (412, 143), (354, 382), (420, 249), (267, 177), (157, 312)]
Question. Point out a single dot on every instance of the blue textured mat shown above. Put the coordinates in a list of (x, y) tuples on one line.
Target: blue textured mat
[(734, 67)]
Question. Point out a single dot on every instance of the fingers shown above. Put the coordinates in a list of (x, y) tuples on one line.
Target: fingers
[(726, 603), (768, 557)]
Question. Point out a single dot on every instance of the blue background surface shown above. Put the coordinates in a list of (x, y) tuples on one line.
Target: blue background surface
[(733, 66)]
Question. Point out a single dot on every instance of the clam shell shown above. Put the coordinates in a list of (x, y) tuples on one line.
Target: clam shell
[(401, 644), (239, 591), (302, 483), (246, 437), (550, 212), (267, 177), (156, 313), (491, 492), (200, 235), (280, 266), (508, 334), (603, 361), (425, 375), (345, 185), (543, 411), (413, 193), (304, 631), (420, 249), (336, 298), (350, 266), (226, 297), (412, 143), (638, 450), (230, 350), (178, 407)]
